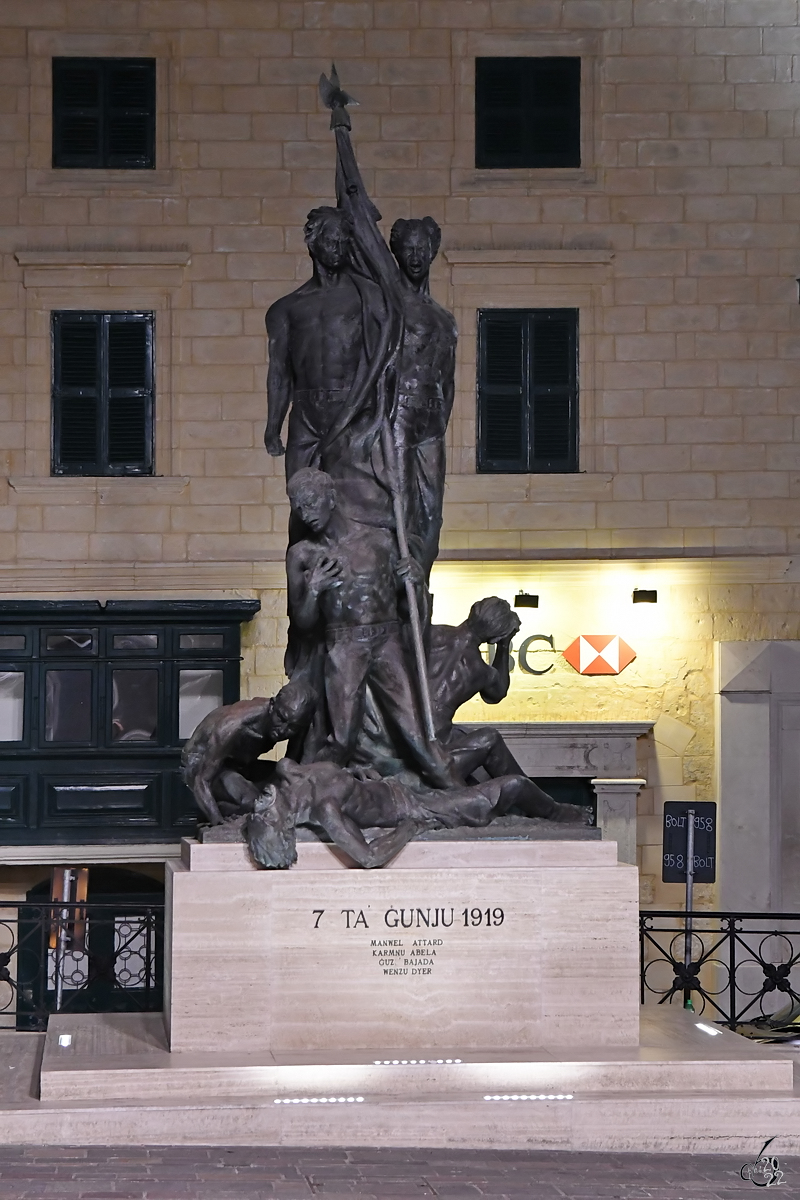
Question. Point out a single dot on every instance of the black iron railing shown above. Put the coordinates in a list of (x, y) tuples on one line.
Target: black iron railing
[(735, 967), (78, 958), (109, 957)]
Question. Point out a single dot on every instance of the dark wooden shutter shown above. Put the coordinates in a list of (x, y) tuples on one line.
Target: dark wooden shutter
[(104, 112), (499, 112), (77, 112), (131, 105), (553, 390), (528, 390), (554, 113), (502, 413), (527, 112), (129, 393), (76, 350), (102, 393)]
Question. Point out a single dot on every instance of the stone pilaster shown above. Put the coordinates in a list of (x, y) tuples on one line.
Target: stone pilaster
[(616, 813)]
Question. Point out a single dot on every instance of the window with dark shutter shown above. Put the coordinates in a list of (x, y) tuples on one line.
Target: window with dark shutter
[(102, 393), (104, 113), (527, 112), (528, 390)]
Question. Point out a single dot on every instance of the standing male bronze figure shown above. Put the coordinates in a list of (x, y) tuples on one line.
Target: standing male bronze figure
[(425, 386), (327, 343), (346, 581), (420, 383)]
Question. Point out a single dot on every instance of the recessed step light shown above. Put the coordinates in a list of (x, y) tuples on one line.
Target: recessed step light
[(414, 1062), (708, 1029)]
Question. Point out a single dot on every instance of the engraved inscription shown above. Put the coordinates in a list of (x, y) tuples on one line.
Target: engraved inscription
[(417, 955)]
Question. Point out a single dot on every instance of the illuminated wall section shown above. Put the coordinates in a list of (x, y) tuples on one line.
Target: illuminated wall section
[(671, 639), (669, 682)]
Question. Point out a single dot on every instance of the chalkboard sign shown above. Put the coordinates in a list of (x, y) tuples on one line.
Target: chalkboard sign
[(673, 861)]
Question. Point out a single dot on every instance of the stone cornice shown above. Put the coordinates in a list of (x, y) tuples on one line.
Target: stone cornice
[(179, 579), (119, 854), (178, 257), (109, 268), (583, 730)]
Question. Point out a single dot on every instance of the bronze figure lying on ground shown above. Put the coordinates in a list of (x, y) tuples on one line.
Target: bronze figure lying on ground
[(342, 804)]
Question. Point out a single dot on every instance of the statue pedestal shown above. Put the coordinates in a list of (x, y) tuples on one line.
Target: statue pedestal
[(453, 947), (286, 1029)]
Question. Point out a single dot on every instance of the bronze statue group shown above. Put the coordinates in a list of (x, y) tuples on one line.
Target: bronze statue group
[(362, 360)]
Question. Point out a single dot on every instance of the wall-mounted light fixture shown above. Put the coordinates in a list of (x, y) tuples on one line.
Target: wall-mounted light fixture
[(645, 596), (525, 600)]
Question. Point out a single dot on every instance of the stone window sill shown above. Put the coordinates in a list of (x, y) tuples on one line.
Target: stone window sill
[(485, 487), (67, 181), (93, 488), (479, 181), (483, 256)]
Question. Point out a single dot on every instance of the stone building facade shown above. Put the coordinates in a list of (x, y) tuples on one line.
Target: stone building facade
[(676, 239)]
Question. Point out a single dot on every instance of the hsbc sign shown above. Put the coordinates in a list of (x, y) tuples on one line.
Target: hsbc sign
[(599, 654), (588, 654)]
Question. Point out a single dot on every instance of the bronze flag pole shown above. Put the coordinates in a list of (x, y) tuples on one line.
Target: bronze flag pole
[(336, 99)]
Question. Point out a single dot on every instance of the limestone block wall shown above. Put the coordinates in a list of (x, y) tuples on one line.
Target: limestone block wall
[(677, 239)]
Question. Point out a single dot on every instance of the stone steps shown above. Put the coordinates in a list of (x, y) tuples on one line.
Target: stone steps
[(118, 1080), (696, 1122), (680, 1090), (125, 1056)]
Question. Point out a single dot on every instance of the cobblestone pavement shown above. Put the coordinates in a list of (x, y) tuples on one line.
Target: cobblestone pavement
[(206, 1173)]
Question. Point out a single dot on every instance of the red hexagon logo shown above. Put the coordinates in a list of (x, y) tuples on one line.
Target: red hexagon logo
[(599, 654)]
